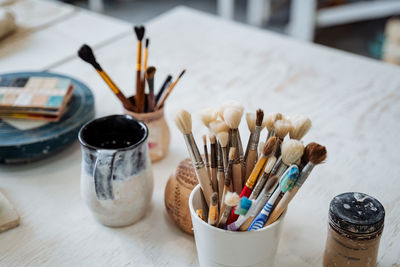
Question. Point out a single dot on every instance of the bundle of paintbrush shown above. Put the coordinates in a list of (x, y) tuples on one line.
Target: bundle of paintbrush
[(246, 190), (142, 101)]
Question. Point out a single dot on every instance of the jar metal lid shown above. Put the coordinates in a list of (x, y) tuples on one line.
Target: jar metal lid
[(357, 213)]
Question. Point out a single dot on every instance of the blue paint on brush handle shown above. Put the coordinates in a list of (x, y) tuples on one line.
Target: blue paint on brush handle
[(261, 218)]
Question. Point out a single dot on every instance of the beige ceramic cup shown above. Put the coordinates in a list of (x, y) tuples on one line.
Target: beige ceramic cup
[(159, 135), (218, 247)]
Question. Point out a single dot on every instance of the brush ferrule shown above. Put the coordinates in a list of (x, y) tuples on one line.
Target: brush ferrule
[(220, 162), (276, 166), (305, 172), (193, 151), (255, 138), (235, 144), (282, 168)]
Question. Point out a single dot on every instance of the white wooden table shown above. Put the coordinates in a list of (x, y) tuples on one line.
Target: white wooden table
[(354, 104)]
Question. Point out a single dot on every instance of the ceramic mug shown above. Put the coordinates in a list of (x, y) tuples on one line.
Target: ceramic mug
[(116, 174)]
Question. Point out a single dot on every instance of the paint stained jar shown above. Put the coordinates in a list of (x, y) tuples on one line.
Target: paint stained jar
[(354, 232), (116, 175), (159, 135)]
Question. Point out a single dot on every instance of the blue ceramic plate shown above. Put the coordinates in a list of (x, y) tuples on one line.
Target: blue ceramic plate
[(24, 142)]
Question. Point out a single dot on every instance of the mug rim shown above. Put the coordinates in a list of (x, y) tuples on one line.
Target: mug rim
[(125, 116), (214, 228)]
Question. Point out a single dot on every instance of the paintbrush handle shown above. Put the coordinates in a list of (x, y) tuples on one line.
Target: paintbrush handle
[(205, 183), (162, 89), (237, 177), (127, 104), (224, 216), (250, 163), (139, 96), (214, 180), (169, 90), (220, 178)]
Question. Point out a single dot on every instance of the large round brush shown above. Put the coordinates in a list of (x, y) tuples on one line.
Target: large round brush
[(183, 121), (314, 154), (270, 120)]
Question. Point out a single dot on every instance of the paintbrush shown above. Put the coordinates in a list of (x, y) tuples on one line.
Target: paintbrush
[(160, 104), (183, 121), (206, 156), (163, 87), (151, 101), (213, 210), (268, 151), (292, 150), (314, 154), (86, 54), (251, 124), (300, 126), (267, 191), (281, 129), (253, 144), (140, 95), (208, 115), (228, 178), (232, 117), (270, 120), (200, 214), (230, 200), (213, 162), (286, 183)]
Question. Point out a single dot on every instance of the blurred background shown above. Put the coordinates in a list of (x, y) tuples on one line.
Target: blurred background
[(364, 27)]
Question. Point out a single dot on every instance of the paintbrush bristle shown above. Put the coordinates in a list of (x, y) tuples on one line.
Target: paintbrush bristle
[(183, 121), (208, 115), (150, 72), (214, 199), (270, 119), (251, 121), (139, 30), (292, 150), (232, 152), (218, 127), (270, 146), (259, 117), (229, 104), (231, 199), (300, 126), (315, 153), (147, 42), (223, 138), (212, 138), (86, 54), (232, 117), (282, 128)]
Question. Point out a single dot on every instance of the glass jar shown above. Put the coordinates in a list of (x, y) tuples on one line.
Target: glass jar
[(354, 232)]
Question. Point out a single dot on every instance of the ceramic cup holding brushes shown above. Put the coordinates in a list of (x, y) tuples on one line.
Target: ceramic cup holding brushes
[(239, 205), (116, 175), (146, 107)]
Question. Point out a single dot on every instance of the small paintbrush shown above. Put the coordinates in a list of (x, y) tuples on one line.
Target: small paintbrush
[(170, 88), (163, 87), (140, 95), (253, 144), (86, 54)]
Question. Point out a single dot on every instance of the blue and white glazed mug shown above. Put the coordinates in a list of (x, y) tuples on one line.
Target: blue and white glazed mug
[(116, 174)]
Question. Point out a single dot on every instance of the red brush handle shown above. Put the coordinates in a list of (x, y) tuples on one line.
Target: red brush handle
[(246, 192)]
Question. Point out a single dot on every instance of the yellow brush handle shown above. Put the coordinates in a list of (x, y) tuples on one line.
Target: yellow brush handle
[(255, 174), (139, 56), (213, 215), (282, 205), (237, 178), (146, 54), (205, 183), (108, 81), (169, 90)]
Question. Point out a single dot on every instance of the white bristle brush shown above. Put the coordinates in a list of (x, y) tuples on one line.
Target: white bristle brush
[(269, 121), (183, 121), (300, 126), (208, 115), (230, 201)]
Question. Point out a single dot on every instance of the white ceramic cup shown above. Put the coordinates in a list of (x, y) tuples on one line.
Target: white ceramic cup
[(218, 247)]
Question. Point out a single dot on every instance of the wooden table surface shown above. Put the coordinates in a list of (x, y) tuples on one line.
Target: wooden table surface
[(354, 104)]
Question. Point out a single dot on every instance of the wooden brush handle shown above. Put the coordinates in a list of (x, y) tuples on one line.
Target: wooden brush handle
[(237, 178), (250, 163), (205, 183), (220, 178), (245, 226), (282, 205)]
